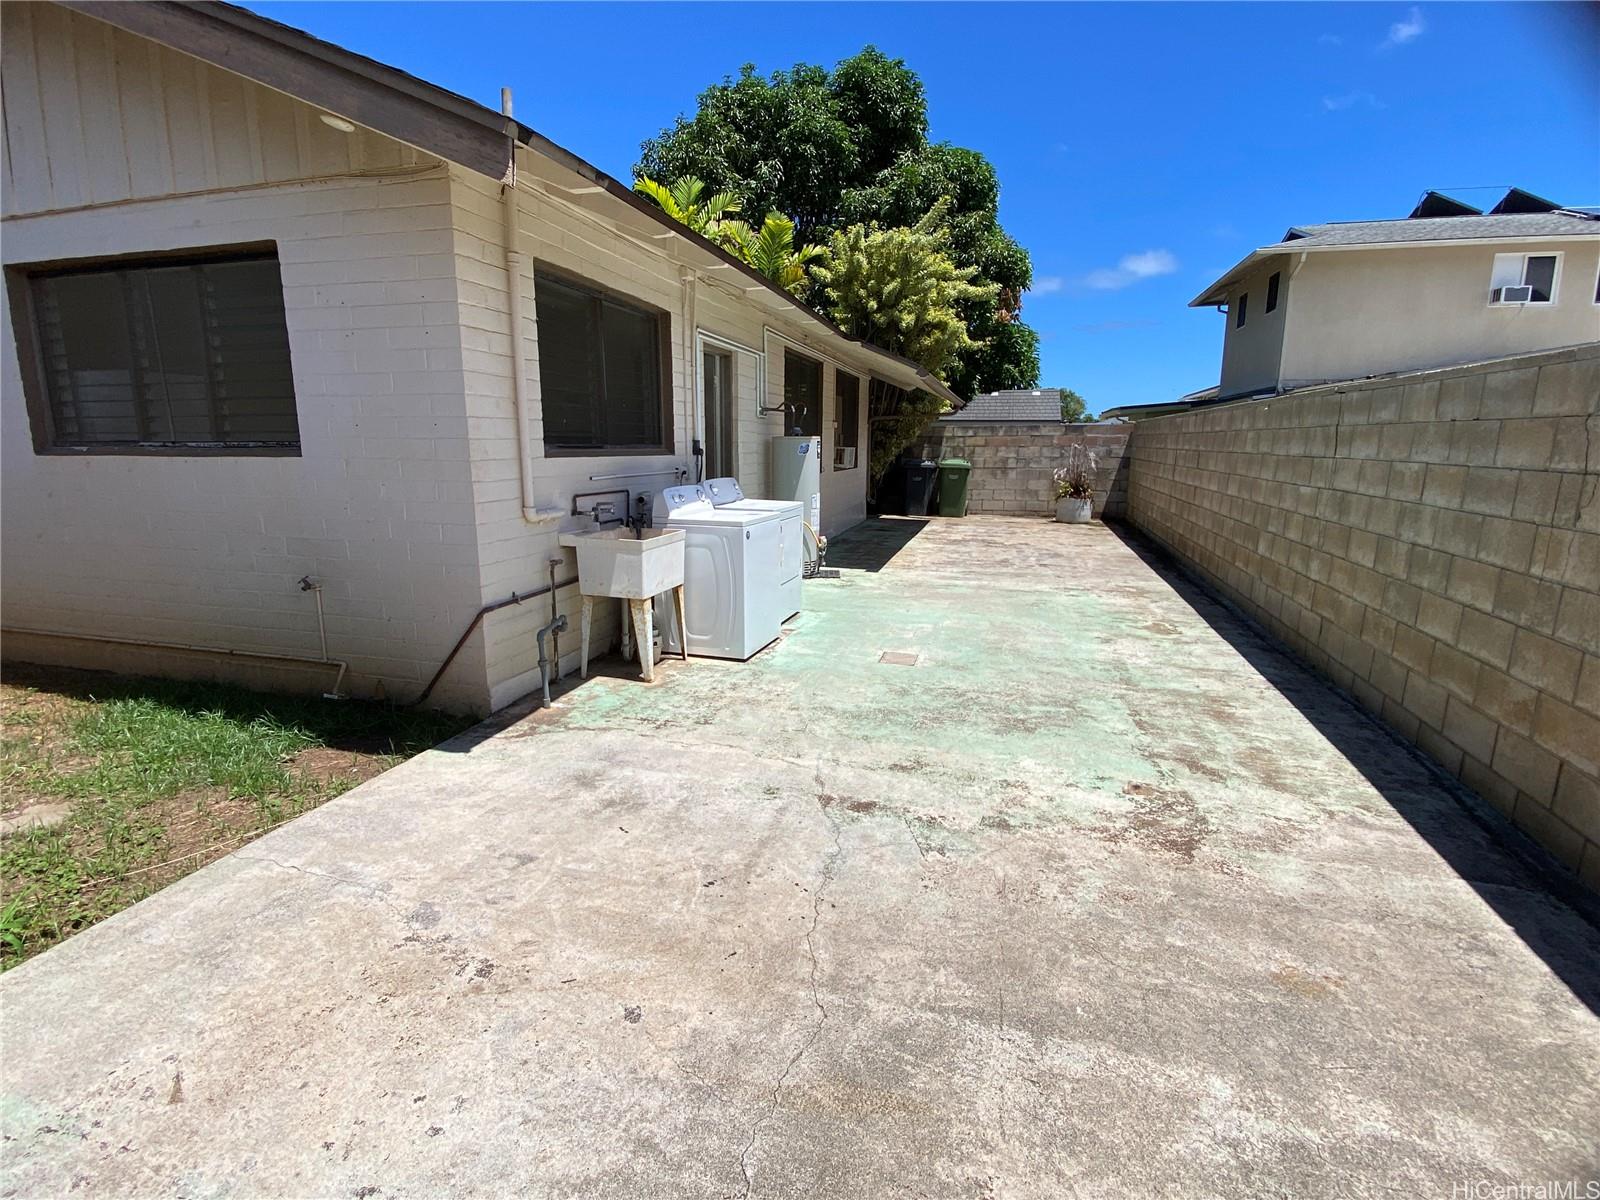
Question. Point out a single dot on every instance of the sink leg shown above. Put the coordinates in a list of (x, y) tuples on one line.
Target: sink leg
[(643, 620), (627, 630), (683, 625), (586, 620)]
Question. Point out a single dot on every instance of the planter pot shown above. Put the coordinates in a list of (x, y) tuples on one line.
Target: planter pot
[(1074, 512)]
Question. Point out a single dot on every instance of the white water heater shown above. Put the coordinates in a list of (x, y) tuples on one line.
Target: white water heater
[(797, 475)]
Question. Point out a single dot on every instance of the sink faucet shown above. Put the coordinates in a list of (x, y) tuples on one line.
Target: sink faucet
[(603, 512), (639, 521)]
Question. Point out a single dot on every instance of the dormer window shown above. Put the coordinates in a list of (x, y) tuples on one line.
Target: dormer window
[(1524, 279)]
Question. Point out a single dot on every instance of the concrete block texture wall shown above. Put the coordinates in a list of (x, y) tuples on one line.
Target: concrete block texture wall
[(1431, 542), (1014, 463)]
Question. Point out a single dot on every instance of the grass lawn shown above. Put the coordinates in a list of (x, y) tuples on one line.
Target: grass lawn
[(148, 779)]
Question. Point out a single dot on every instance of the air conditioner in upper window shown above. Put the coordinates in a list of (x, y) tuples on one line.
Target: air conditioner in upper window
[(844, 458), (1521, 294)]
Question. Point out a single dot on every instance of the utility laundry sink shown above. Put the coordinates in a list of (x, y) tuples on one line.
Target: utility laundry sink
[(614, 562)]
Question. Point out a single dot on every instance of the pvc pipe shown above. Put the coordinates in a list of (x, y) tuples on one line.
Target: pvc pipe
[(306, 584), (691, 371), (673, 471), (554, 629), (519, 358), (267, 656)]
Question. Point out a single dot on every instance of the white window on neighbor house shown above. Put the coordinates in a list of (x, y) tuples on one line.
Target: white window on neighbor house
[(1524, 278)]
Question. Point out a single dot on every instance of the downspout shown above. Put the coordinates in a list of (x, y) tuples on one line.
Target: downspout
[(1288, 310), (519, 357), (691, 372)]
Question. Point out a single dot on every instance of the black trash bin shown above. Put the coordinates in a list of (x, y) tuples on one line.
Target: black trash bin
[(920, 477)]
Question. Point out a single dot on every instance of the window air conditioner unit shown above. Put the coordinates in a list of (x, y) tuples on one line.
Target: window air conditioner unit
[(844, 458), (1513, 295)]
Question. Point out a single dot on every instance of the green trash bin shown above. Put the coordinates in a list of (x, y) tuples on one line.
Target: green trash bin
[(953, 475)]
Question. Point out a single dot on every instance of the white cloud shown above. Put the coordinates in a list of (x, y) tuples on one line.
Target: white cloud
[(1350, 100), (1405, 31), (1131, 269), (1044, 285)]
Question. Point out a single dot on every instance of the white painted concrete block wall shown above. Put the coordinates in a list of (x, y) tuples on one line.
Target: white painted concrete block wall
[(209, 550), (405, 499), (513, 553), (378, 505)]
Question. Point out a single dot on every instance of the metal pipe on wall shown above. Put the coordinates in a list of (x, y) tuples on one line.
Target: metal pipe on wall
[(477, 619)]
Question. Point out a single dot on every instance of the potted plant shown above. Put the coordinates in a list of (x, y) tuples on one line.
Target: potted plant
[(1075, 486)]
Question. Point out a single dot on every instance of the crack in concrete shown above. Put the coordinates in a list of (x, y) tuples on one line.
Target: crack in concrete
[(373, 890), (830, 864)]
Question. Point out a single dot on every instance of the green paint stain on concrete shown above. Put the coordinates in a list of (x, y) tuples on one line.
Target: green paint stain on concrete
[(1013, 702)]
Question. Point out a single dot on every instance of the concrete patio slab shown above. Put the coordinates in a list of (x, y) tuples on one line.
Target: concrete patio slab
[(1099, 894)]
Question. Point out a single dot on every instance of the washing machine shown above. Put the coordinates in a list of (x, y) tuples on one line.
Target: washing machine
[(726, 493), (731, 574)]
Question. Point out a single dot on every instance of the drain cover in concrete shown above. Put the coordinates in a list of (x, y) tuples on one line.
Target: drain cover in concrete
[(898, 658)]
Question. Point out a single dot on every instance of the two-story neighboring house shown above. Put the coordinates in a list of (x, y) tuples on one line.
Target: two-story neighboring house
[(1447, 284)]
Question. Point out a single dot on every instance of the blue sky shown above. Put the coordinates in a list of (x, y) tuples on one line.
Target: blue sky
[(1142, 148)]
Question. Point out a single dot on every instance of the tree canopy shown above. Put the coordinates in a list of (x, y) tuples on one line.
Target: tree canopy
[(1073, 408), (832, 149), (900, 289)]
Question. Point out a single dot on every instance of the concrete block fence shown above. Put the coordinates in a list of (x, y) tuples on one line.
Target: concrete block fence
[(1014, 462), (1430, 542)]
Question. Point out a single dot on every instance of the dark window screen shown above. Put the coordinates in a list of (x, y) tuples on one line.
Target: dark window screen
[(1272, 291), (802, 393), (1540, 275), (166, 354), (847, 428), (599, 370), (1241, 310)]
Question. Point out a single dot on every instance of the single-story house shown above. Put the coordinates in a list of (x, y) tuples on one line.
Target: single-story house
[(1022, 404), (1447, 284), (264, 359), (1143, 412)]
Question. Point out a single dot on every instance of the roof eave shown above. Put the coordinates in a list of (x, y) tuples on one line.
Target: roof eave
[(618, 190), (408, 109), (1217, 292)]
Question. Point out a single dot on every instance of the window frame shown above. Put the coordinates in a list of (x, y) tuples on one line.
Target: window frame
[(839, 373), (663, 320), (19, 281), (1522, 274), (728, 365), (1274, 292), (1243, 313)]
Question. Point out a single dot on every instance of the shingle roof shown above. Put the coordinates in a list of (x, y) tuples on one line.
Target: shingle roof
[(1439, 229), (1038, 404), (1420, 231)]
